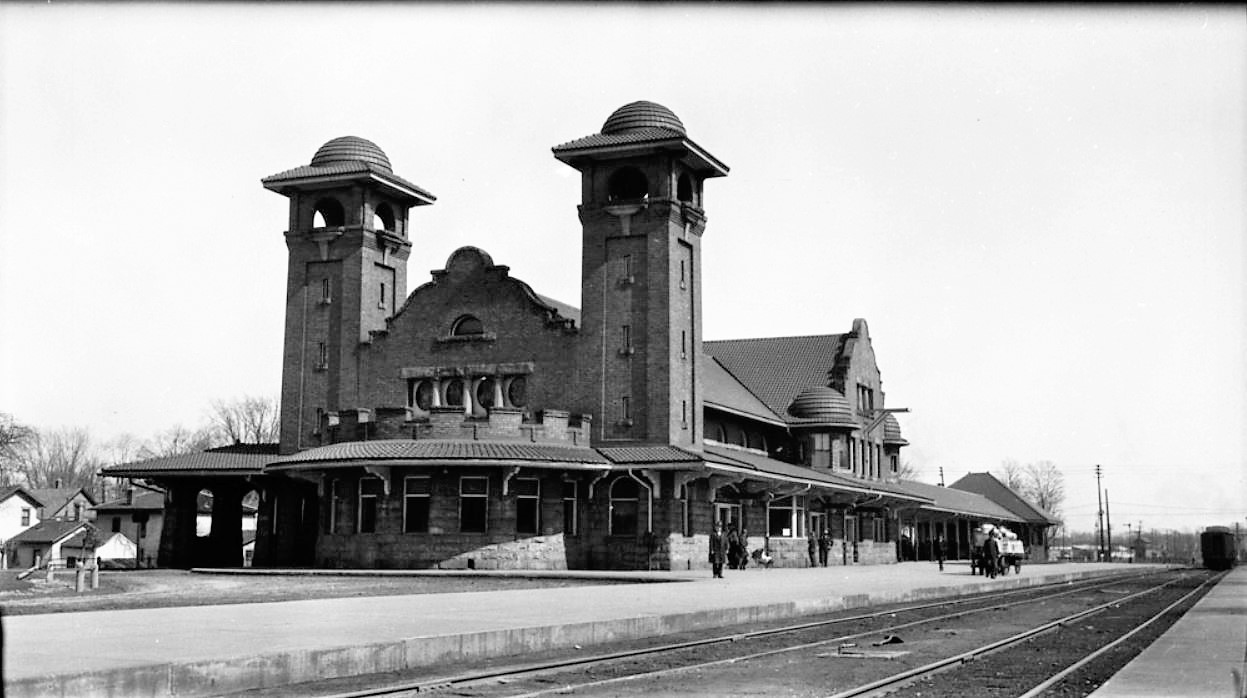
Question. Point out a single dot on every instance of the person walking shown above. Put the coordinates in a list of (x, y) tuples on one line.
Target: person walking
[(718, 550), (824, 546), (940, 553)]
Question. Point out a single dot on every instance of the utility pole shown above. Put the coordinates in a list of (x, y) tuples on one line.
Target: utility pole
[(1129, 543), (1099, 496), (941, 476), (1108, 524)]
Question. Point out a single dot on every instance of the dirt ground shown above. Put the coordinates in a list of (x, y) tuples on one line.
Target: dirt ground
[(166, 588)]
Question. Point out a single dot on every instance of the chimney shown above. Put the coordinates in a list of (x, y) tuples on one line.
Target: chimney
[(130, 496), (58, 483)]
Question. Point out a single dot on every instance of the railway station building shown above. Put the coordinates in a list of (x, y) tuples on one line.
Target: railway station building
[(476, 423)]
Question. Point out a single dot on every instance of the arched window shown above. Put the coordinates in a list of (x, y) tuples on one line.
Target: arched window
[(422, 395), (485, 393), (383, 217), (329, 214), (467, 325), (624, 505), (517, 391), (684, 189), (627, 184), (454, 393)]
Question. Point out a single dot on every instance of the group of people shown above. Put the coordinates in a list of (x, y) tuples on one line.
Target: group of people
[(732, 548), (820, 544)]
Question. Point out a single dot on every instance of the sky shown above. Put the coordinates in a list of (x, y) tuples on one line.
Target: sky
[(1039, 211)]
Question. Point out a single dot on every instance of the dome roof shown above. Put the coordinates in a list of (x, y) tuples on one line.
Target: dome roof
[(823, 404), (640, 115), (892, 431), (351, 149)]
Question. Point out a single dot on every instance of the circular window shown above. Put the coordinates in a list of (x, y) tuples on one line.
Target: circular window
[(485, 393), (454, 393), (517, 392), (424, 395)]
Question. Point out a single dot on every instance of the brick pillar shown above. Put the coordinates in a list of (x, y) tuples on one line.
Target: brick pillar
[(225, 539), (177, 532)]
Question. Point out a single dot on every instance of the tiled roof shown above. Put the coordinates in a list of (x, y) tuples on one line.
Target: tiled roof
[(642, 114), (648, 454), (633, 137), (48, 531), (987, 485), (823, 405), (568, 311), (722, 390), (763, 464), (777, 369), (342, 169), (892, 431), (200, 461), (956, 501), (442, 449)]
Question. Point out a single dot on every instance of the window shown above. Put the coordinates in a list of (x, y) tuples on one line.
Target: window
[(627, 184), (786, 517), (625, 340), (325, 295), (383, 218), (569, 509), (473, 504), (454, 393), (895, 464), (517, 392), (141, 520), (527, 505), (116, 524), (820, 450), (370, 489), (336, 504), (485, 393), (25, 516), (624, 504), (416, 498), (77, 515), (467, 325), (683, 344), (626, 263), (381, 296), (420, 394), (684, 414), (625, 408), (683, 282), (322, 355)]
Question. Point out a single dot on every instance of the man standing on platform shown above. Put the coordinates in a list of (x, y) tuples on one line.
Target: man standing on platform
[(718, 550)]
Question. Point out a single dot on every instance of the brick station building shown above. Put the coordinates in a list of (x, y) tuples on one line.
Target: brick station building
[(476, 423)]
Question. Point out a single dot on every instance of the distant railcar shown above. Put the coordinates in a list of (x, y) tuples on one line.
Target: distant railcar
[(1218, 547)]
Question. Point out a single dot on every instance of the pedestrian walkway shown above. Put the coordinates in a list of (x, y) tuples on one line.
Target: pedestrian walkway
[(208, 650), (1203, 654)]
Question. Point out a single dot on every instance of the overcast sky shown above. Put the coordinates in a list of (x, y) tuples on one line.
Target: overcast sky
[(1039, 212)]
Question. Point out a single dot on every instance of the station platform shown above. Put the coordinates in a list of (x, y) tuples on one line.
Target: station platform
[(211, 650), (1203, 654)]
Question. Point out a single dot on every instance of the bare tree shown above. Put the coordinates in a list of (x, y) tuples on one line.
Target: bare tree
[(62, 457), (1012, 475), (1045, 486), (907, 471), (175, 441), (14, 437), (249, 419)]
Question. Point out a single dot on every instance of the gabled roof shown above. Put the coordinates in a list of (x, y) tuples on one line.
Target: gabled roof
[(18, 490), (144, 500), (722, 391), (49, 531), (777, 369), (987, 485), (55, 499), (946, 499)]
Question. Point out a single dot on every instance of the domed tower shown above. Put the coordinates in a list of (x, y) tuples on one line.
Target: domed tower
[(348, 246), (642, 218)]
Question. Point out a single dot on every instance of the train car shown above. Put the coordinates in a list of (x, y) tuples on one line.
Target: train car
[(1218, 547)]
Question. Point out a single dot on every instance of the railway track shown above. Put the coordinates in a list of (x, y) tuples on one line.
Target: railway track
[(844, 639)]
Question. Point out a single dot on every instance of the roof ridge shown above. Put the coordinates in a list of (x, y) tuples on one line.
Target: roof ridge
[(758, 339)]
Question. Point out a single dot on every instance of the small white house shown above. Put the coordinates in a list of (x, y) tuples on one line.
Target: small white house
[(116, 547)]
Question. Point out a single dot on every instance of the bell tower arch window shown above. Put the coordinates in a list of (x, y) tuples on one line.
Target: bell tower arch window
[(328, 214), (383, 217), (627, 184), (684, 188)]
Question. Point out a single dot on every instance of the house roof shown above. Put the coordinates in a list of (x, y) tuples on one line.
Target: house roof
[(987, 485), (949, 500), (144, 500), (49, 531), (238, 459), (722, 391), (18, 490), (55, 499), (777, 369)]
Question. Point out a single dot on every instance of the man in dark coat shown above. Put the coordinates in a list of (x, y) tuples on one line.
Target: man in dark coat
[(718, 550), (824, 546), (991, 556)]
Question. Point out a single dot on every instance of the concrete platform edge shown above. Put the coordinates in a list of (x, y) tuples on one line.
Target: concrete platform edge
[(216, 677)]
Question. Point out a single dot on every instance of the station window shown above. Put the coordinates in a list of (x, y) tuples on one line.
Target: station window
[(820, 450), (417, 491), (370, 490), (786, 517), (570, 522), (623, 507), (473, 504), (527, 505)]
